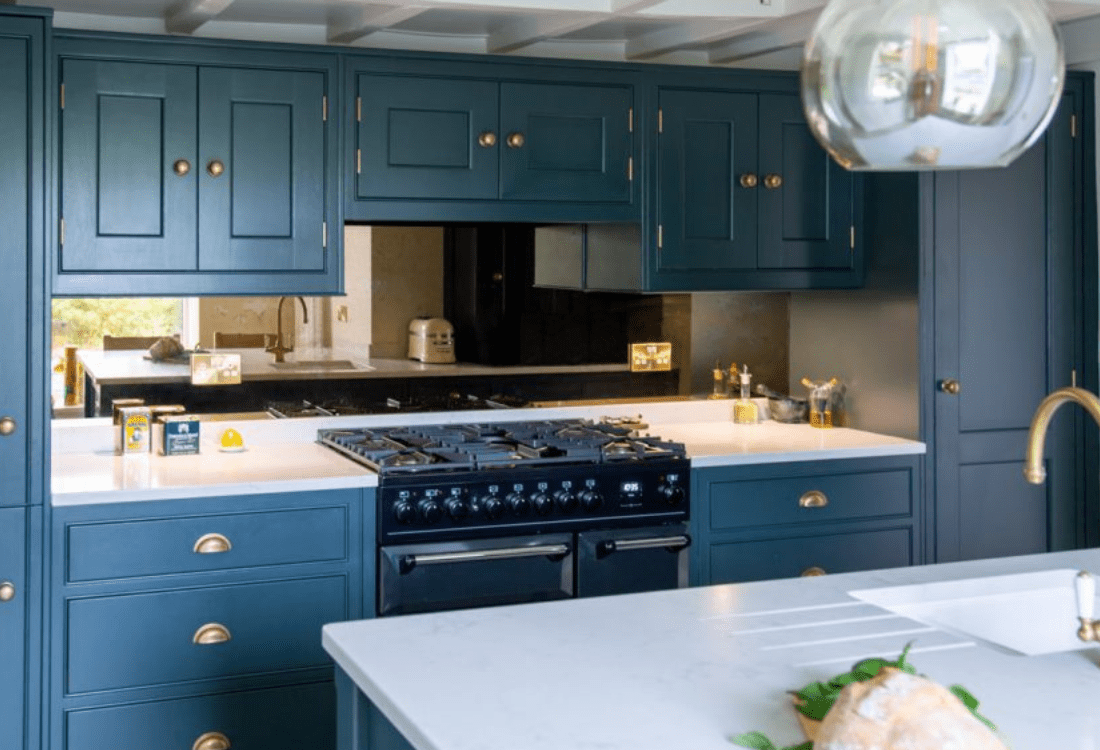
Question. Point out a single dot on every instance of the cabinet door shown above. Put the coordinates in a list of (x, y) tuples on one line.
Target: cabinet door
[(124, 128), (264, 209), (13, 673), (422, 138), (707, 219), (806, 201), (15, 170), (565, 143)]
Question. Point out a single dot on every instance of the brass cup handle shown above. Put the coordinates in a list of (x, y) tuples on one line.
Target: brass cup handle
[(7, 591), (181, 167), (212, 544), (516, 140), (211, 633), (773, 181), (749, 180), (212, 741), (488, 139), (813, 572), (950, 386), (813, 499), (7, 426), (215, 168)]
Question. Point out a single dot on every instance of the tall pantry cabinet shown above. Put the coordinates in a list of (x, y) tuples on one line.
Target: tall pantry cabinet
[(23, 413)]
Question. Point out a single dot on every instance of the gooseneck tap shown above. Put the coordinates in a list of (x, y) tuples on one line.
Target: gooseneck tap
[(1033, 463), (278, 348)]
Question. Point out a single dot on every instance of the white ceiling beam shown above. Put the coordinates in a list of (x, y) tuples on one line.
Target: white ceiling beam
[(346, 28), (691, 34), (186, 16), (632, 6), (790, 31), (526, 31), (713, 9)]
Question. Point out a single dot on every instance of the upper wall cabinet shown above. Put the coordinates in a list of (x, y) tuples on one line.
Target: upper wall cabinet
[(185, 178), (428, 147)]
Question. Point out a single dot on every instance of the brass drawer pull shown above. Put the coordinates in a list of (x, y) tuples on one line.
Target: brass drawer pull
[(813, 499), (7, 591), (516, 140), (212, 544), (210, 633), (749, 180), (488, 139), (212, 741), (773, 181), (813, 572), (215, 168), (181, 167)]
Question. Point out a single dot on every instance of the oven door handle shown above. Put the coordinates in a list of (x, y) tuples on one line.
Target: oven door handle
[(671, 543), (406, 563)]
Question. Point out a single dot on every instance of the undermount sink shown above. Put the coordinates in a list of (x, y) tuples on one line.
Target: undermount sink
[(321, 364), (1027, 613)]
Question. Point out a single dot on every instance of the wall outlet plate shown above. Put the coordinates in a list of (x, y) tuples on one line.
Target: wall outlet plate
[(651, 357), (215, 369)]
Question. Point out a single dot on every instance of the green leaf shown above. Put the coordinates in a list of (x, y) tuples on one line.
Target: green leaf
[(964, 695), (816, 709), (813, 691), (755, 740), (869, 667)]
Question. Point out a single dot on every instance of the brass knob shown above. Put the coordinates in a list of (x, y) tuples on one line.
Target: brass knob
[(210, 633), (516, 140), (7, 591), (749, 180), (212, 544), (773, 181), (212, 741), (813, 499), (950, 386), (215, 168), (181, 167), (487, 139), (7, 426), (813, 572)]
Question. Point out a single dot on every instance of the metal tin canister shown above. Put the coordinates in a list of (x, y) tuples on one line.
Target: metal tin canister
[(121, 403), (134, 427), (176, 434)]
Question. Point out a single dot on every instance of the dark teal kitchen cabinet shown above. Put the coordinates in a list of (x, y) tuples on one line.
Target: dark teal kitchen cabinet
[(180, 174), (228, 593), (14, 663), (807, 518), (466, 141)]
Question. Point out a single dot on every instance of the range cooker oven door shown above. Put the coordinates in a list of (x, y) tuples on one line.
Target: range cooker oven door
[(629, 561), (432, 577)]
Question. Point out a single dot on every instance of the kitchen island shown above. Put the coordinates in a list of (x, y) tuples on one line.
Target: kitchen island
[(685, 668)]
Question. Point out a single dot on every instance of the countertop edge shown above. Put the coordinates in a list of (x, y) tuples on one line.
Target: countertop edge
[(225, 489), (877, 451)]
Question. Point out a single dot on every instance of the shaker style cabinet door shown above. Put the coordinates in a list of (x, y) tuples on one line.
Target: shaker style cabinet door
[(806, 202), (13, 608), (128, 167), (707, 199), (427, 138), (261, 170), (566, 143)]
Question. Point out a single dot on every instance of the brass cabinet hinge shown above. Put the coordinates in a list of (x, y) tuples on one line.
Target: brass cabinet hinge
[(852, 237), (324, 234), (358, 161), (660, 236), (630, 169), (631, 119), (358, 109), (1073, 126), (61, 231), (62, 96), (324, 109), (660, 121)]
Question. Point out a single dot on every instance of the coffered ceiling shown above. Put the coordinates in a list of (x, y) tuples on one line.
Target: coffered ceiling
[(717, 32)]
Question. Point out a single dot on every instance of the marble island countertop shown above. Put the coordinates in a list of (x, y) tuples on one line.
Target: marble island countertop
[(283, 456), (690, 667), (130, 366)]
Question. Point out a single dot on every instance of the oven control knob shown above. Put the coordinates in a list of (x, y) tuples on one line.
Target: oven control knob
[(518, 504), (404, 512), (591, 500), (567, 501), (494, 507), (458, 508), (542, 502), (430, 511), (673, 494)]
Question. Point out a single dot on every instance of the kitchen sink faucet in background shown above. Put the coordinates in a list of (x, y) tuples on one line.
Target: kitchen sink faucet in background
[(278, 348)]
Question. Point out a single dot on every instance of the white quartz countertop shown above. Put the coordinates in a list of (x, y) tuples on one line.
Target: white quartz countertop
[(283, 456), (690, 667), (130, 366)]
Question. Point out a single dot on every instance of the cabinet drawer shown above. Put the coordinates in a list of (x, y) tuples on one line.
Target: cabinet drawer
[(148, 639), (737, 562), (767, 502), (286, 718), (126, 549)]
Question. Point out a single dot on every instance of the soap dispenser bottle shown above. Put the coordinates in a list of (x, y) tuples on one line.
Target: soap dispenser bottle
[(745, 410)]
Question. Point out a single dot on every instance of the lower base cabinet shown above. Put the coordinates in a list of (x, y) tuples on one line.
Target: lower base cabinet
[(196, 623), (806, 518)]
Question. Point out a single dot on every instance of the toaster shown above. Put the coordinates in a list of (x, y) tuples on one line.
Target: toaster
[(431, 340)]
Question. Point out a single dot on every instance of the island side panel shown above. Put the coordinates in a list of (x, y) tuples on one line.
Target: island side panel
[(359, 723)]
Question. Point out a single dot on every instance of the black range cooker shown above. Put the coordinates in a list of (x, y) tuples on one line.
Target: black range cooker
[(479, 514)]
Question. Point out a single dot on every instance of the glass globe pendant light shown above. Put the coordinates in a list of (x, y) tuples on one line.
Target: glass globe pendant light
[(931, 84)]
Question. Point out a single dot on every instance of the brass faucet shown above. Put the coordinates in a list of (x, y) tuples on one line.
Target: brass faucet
[(1033, 467), (278, 349)]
